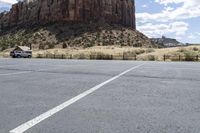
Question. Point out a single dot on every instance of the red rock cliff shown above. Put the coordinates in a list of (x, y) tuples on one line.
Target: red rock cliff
[(30, 12)]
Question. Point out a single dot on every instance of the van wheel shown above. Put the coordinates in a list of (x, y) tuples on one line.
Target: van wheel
[(18, 56), (29, 56)]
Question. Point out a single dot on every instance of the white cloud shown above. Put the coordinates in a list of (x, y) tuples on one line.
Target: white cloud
[(154, 30), (198, 33), (188, 9), (194, 35), (166, 2), (191, 36), (171, 20), (9, 1), (168, 8), (144, 6)]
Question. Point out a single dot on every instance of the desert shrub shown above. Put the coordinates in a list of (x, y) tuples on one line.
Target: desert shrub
[(81, 56), (89, 44), (98, 35), (10, 41), (174, 56), (51, 45), (190, 56), (137, 44), (139, 51), (106, 43), (150, 50), (13, 45), (37, 35), (148, 58), (100, 56), (64, 45), (195, 49), (39, 56), (134, 52), (121, 42), (130, 53), (151, 58), (106, 31), (4, 47), (182, 50), (42, 46), (50, 33)]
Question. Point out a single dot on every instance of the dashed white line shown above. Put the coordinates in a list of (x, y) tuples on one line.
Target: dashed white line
[(24, 127)]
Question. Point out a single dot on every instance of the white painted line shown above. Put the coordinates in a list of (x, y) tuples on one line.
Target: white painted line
[(24, 127), (16, 73)]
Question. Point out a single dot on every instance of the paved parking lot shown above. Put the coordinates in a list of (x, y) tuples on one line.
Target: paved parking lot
[(80, 96)]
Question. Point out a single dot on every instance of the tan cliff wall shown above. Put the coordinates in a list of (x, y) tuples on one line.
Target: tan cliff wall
[(31, 12)]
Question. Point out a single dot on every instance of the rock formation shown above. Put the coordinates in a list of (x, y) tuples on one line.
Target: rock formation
[(33, 12), (167, 42)]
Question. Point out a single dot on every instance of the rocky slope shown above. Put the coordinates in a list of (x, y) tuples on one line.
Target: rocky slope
[(62, 35), (37, 12)]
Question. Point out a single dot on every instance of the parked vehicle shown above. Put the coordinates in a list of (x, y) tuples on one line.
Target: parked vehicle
[(21, 52)]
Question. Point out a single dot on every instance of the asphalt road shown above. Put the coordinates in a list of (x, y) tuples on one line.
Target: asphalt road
[(137, 97)]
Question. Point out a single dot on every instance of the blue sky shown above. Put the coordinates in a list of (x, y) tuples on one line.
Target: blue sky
[(172, 18)]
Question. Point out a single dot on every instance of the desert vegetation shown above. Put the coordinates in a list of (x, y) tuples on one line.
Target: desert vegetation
[(94, 41), (74, 35), (127, 53), (189, 53)]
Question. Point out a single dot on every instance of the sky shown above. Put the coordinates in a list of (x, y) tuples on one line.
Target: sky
[(172, 18), (177, 19)]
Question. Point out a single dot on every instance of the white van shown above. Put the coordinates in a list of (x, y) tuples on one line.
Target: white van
[(21, 52)]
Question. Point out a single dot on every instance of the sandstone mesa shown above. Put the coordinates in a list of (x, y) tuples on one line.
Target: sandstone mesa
[(33, 12)]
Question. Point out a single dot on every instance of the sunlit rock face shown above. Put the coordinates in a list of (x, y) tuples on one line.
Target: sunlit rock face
[(31, 12)]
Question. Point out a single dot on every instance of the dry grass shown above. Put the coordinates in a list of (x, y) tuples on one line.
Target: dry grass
[(104, 52)]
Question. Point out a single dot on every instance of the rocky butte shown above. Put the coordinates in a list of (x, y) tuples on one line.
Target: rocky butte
[(33, 12), (48, 24)]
